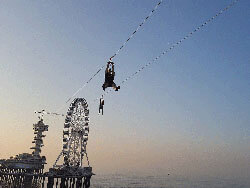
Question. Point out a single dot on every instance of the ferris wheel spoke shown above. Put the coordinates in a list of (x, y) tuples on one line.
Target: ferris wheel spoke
[(75, 134)]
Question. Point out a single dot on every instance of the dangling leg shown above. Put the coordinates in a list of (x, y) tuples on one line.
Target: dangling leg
[(103, 87), (100, 111), (115, 87), (100, 106)]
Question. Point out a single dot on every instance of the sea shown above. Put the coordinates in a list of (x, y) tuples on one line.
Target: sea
[(133, 181), (168, 181)]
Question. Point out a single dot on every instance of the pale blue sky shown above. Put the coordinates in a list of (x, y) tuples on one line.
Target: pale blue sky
[(195, 99)]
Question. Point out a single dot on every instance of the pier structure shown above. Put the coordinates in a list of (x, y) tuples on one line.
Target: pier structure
[(19, 170), (26, 170), (64, 178)]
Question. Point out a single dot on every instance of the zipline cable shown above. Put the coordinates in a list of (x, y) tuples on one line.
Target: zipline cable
[(85, 84), (163, 53), (117, 52), (131, 36), (174, 45)]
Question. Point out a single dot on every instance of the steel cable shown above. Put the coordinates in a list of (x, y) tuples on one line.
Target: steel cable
[(164, 52), (174, 45), (131, 36), (116, 53)]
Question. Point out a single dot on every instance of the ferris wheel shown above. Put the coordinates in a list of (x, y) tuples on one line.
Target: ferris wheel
[(75, 133)]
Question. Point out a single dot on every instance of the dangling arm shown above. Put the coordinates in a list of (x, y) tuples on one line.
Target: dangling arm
[(113, 69), (106, 71)]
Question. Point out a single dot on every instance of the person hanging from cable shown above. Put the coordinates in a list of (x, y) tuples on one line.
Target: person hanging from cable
[(109, 77), (101, 105)]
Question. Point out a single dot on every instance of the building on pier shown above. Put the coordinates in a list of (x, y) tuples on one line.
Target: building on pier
[(26, 169), (29, 162)]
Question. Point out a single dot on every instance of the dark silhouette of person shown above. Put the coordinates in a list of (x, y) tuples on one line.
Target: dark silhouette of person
[(101, 105), (109, 77)]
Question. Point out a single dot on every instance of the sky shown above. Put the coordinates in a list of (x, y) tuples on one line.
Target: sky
[(187, 115)]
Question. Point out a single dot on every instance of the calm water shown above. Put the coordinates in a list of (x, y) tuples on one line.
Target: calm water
[(121, 181)]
